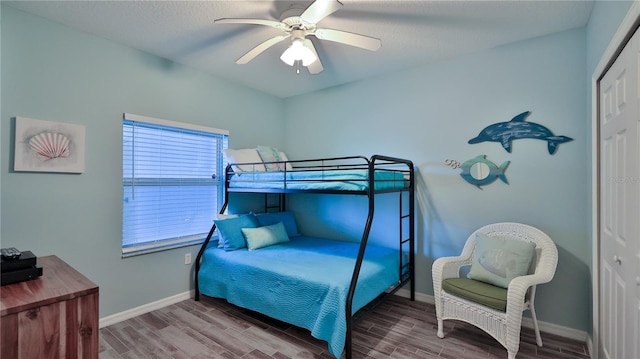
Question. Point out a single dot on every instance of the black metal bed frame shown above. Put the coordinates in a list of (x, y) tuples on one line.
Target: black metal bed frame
[(375, 163)]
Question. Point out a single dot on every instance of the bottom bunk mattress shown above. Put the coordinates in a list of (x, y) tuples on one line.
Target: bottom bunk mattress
[(304, 282)]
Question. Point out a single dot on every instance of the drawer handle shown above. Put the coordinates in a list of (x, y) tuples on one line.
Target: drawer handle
[(33, 313), (86, 331)]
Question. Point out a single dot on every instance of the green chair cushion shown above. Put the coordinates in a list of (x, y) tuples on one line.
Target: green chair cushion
[(476, 291)]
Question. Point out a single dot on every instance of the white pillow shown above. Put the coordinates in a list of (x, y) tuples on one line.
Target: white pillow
[(283, 157), (246, 155)]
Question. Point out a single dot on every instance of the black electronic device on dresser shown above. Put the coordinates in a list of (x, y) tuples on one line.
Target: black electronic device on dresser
[(18, 266)]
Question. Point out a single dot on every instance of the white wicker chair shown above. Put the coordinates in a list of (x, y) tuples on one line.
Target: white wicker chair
[(503, 326)]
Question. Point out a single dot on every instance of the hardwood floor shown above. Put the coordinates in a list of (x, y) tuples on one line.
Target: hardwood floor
[(398, 328)]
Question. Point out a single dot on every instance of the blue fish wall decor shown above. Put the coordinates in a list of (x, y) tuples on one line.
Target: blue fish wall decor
[(495, 172), (517, 128)]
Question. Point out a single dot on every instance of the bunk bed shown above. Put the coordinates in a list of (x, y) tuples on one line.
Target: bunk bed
[(292, 281)]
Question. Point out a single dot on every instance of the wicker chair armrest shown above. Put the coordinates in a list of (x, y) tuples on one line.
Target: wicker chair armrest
[(443, 268), (516, 293), (545, 271), (517, 290), (524, 282), (449, 267)]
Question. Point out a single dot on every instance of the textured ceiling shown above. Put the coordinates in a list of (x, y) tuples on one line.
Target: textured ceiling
[(413, 33)]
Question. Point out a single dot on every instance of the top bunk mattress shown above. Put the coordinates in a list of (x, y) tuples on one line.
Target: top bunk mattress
[(335, 179)]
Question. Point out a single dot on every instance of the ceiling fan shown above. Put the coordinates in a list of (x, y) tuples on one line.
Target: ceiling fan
[(297, 24)]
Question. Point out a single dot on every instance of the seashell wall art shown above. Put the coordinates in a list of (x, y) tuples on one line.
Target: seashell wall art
[(50, 145), (45, 146)]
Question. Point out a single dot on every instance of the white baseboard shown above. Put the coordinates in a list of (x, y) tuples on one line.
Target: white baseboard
[(590, 346), (526, 322), (146, 308)]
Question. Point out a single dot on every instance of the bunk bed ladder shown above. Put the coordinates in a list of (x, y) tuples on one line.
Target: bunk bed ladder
[(406, 218)]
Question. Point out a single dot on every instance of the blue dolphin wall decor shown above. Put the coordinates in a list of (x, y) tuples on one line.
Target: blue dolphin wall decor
[(517, 128)]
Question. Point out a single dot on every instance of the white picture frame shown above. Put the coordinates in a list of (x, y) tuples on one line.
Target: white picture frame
[(46, 146)]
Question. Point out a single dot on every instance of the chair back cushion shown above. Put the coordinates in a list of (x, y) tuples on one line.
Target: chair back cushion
[(498, 260)]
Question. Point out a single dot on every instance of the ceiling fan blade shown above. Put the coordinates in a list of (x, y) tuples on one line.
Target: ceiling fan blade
[(260, 48), (272, 23), (349, 38), (316, 66), (320, 9)]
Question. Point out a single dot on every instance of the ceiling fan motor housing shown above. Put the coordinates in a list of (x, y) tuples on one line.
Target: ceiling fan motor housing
[(291, 18)]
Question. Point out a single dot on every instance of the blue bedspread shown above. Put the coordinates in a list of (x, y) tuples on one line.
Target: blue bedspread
[(304, 282), (345, 180)]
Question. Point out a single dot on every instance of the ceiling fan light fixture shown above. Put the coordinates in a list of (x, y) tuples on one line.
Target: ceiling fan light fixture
[(298, 52)]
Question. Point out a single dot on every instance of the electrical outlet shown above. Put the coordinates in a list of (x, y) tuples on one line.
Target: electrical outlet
[(187, 258)]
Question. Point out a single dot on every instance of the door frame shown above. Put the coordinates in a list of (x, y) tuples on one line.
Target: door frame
[(626, 29)]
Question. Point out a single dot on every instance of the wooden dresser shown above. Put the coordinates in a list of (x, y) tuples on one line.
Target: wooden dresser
[(53, 316)]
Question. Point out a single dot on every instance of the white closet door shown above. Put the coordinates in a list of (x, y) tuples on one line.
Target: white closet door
[(619, 124)]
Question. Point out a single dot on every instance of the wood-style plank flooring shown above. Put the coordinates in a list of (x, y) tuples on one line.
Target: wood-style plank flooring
[(398, 328)]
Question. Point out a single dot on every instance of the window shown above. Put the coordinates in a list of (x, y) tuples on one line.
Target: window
[(171, 183)]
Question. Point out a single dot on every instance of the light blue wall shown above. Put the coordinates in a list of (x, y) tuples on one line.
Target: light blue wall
[(428, 114), (605, 19), (53, 73)]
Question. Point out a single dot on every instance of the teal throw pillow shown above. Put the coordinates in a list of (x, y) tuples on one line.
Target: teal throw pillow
[(265, 236), (497, 260), (231, 230), (224, 216), (287, 218)]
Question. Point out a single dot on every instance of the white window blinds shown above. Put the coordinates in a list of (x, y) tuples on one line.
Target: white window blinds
[(172, 183)]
